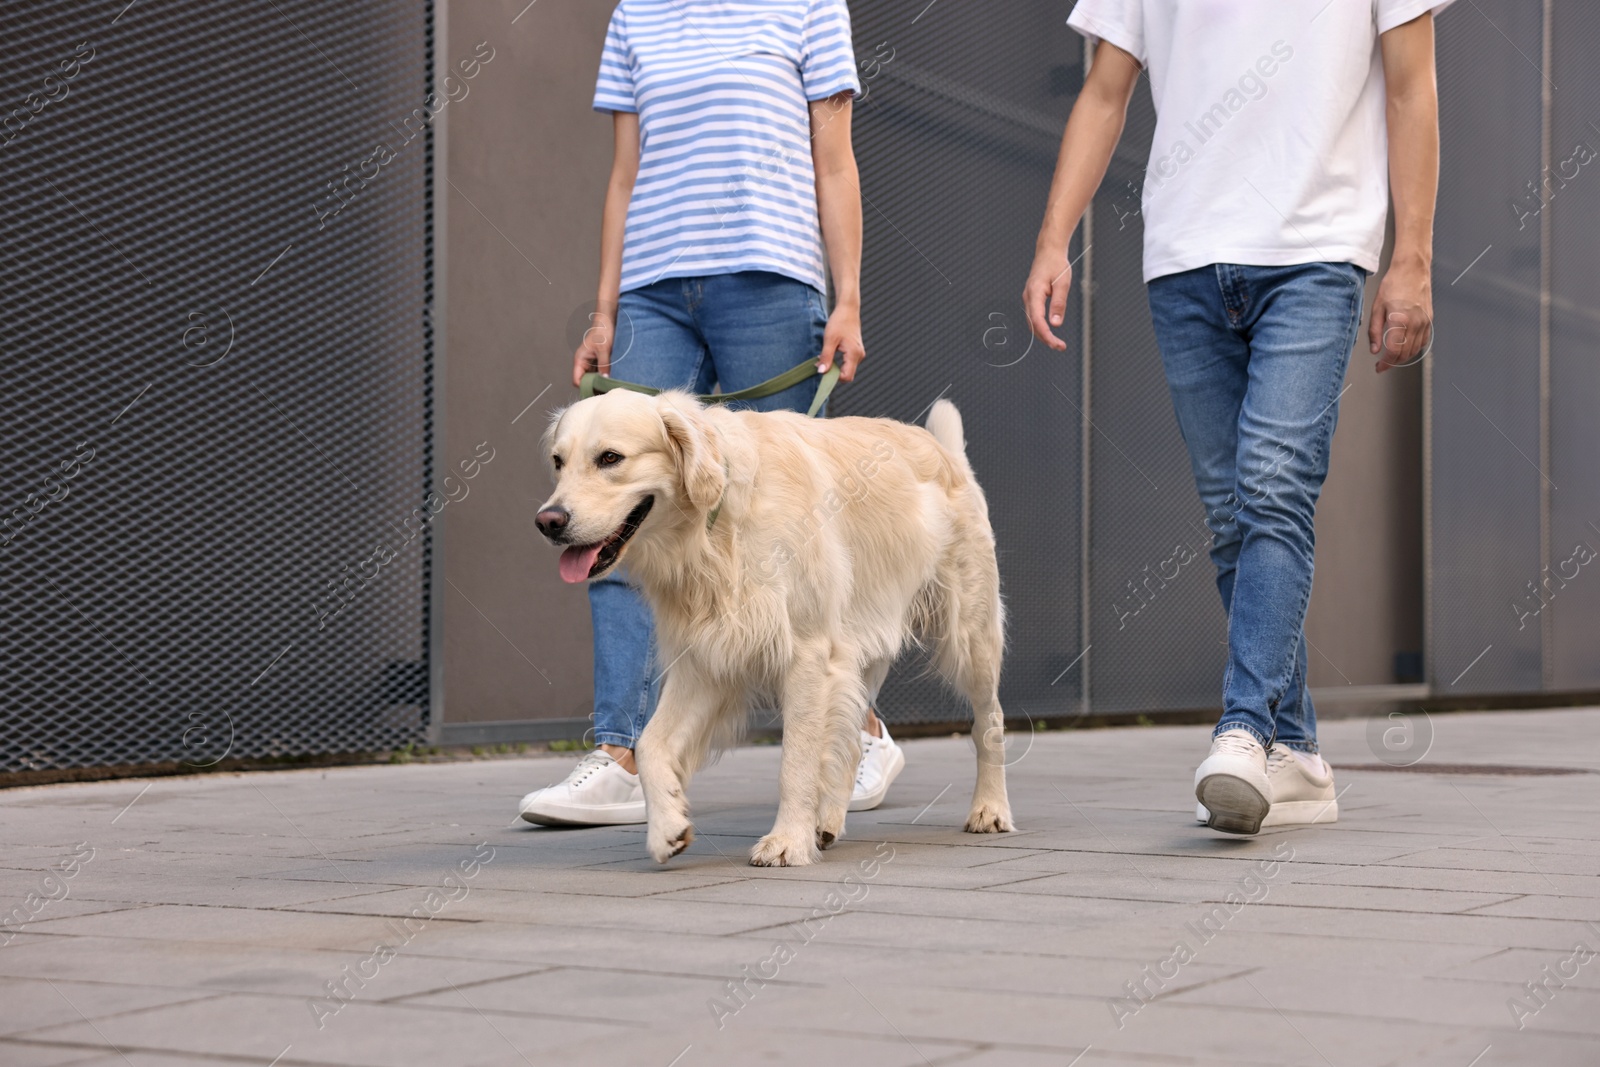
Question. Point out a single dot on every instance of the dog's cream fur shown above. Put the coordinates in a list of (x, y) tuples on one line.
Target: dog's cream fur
[(836, 541)]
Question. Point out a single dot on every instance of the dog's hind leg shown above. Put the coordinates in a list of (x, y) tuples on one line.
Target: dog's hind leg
[(970, 658), (672, 747), (991, 810)]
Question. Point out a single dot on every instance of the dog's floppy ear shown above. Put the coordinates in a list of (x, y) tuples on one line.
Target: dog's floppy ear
[(547, 441), (694, 445)]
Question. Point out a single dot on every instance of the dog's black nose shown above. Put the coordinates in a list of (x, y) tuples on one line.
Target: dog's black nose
[(552, 521)]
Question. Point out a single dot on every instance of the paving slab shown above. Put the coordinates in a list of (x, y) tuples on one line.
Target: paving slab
[(21, 1054), (34, 1002), (398, 915)]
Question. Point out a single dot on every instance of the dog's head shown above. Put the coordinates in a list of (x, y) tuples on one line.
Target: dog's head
[(627, 465)]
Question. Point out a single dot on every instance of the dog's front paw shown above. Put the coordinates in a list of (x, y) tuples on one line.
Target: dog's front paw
[(990, 818), (667, 843), (776, 851)]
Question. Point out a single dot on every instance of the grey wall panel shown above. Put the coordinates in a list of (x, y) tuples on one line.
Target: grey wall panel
[(528, 165), (220, 371), (1157, 643), (1485, 524), (1574, 197), (956, 140)]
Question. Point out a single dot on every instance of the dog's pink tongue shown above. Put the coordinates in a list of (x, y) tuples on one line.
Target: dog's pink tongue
[(575, 562)]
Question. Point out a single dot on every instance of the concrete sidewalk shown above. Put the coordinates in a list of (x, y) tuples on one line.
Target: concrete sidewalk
[(395, 916)]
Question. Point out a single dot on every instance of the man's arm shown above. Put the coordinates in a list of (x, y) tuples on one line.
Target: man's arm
[(839, 212), (1402, 315), (1086, 147)]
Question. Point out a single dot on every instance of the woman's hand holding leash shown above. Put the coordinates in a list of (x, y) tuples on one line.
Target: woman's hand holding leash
[(843, 336), (594, 351)]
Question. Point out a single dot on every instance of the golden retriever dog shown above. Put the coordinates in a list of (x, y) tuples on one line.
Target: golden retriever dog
[(787, 561)]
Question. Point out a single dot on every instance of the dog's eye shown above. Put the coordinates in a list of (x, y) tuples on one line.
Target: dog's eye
[(555, 461), (609, 459)]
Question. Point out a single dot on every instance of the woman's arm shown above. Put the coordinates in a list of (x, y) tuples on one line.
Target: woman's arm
[(1091, 136), (839, 209), (1402, 315), (594, 351)]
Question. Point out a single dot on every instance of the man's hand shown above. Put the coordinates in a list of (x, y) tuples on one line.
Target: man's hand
[(594, 351), (1086, 147), (1046, 294), (1402, 317), (843, 336)]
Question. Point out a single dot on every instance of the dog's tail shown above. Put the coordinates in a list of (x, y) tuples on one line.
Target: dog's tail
[(944, 422)]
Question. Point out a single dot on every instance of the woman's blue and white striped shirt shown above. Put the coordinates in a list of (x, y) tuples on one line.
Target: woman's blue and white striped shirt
[(721, 87)]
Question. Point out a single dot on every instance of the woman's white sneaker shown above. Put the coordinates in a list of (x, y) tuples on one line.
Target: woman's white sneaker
[(598, 792), (881, 763), (1232, 783)]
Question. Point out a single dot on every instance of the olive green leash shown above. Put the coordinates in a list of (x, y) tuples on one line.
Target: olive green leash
[(593, 383)]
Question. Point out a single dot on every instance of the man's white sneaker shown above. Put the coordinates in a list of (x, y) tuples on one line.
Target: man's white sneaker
[(598, 792), (881, 763), (1232, 783), (1302, 790)]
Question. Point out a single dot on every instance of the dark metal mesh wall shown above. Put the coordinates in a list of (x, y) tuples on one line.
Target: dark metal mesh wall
[(1485, 408), (216, 404), (956, 138)]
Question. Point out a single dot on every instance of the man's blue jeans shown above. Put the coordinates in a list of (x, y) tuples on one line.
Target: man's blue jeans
[(734, 330), (1255, 359)]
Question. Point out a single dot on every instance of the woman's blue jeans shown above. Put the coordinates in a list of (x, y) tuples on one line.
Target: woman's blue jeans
[(1255, 360), (733, 330)]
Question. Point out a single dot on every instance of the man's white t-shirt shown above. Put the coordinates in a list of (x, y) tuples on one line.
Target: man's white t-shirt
[(1269, 146)]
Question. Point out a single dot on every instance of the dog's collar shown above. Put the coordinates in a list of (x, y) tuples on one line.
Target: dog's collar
[(711, 517)]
